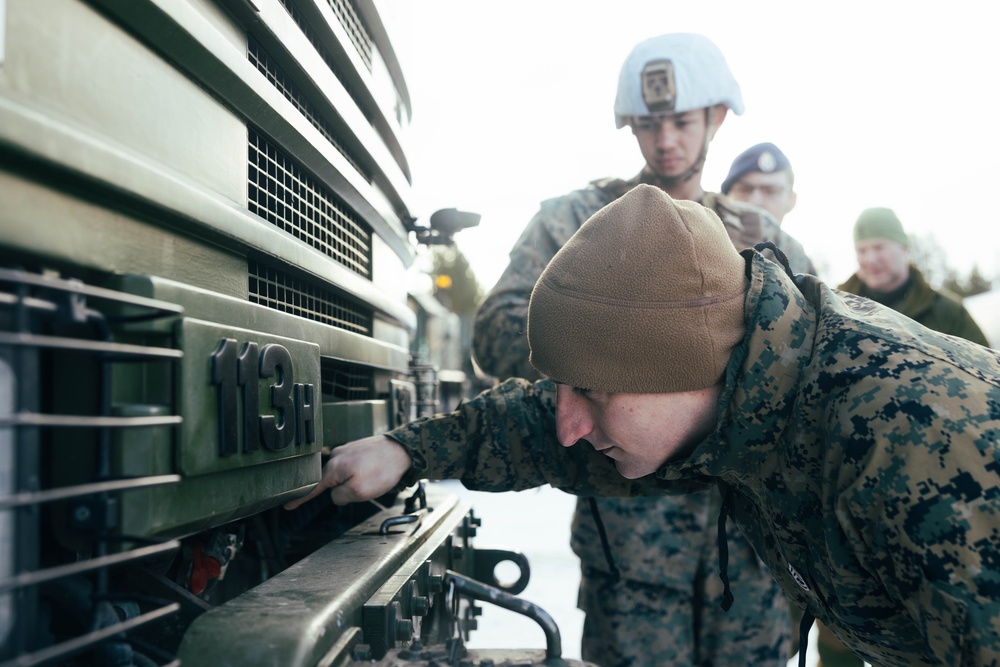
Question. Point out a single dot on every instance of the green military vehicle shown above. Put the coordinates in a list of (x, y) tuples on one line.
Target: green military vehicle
[(205, 244)]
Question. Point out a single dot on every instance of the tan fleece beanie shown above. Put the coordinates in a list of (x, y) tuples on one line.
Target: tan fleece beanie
[(646, 297)]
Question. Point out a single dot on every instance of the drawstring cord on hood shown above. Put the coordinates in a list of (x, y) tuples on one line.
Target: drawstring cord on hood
[(804, 626), (780, 256), (615, 574), (727, 594), (727, 499)]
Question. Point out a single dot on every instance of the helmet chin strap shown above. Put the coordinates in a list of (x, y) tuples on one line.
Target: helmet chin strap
[(668, 182)]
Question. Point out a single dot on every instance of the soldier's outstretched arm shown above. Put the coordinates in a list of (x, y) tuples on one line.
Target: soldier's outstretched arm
[(502, 440), (361, 470)]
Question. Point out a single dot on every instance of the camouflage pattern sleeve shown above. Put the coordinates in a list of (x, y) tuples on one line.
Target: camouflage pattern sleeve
[(936, 544), (505, 440), (499, 338), (897, 430)]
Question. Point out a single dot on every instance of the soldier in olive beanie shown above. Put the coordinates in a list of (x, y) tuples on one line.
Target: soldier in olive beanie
[(880, 223), (647, 297), (885, 274)]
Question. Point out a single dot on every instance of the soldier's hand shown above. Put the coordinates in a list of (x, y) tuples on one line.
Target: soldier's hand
[(360, 470)]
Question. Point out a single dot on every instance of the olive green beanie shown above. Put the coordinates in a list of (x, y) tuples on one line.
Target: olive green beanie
[(879, 223), (646, 297)]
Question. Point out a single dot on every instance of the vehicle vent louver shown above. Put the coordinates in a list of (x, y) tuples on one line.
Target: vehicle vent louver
[(280, 291), (45, 323), (283, 193)]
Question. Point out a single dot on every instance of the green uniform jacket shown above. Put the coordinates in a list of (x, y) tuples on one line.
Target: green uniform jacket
[(862, 451), (938, 310)]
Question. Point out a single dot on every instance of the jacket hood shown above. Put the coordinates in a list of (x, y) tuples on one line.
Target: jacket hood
[(765, 368)]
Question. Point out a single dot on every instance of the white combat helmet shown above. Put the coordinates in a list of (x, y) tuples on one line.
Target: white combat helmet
[(674, 73)]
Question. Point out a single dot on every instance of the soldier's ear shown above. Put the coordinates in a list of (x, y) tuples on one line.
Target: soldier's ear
[(792, 198), (716, 115)]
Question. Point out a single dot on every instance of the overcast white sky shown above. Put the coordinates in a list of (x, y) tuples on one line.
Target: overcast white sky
[(875, 104)]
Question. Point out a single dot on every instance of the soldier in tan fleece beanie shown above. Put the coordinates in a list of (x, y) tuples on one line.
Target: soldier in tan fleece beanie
[(647, 297)]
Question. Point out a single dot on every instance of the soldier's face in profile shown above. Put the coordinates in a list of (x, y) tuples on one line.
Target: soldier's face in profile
[(639, 432), (883, 265)]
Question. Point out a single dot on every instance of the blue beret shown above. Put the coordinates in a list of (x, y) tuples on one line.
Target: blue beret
[(765, 158)]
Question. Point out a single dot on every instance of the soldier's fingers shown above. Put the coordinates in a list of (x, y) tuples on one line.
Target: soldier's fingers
[(346, 493), (360, 470), (324, 484), (366, 469), (331, 472), (318, 489)]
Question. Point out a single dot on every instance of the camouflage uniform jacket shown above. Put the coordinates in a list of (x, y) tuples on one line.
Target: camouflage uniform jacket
[(860, 449), (642, 548), (501, 347), (938, 310)]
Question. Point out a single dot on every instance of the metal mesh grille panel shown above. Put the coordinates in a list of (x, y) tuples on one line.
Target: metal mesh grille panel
[(348, 15), (280, 291), (68, 344), (348, 382), (284, 194), (318, 45), (276, 77)]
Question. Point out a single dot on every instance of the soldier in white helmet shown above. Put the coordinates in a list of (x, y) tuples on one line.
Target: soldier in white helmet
[(650, 586)]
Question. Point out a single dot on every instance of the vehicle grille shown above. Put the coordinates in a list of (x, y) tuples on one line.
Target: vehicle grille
[(280, 291), (348, 382), (347, 13), (277, 78), (283, 193), (49, 325)]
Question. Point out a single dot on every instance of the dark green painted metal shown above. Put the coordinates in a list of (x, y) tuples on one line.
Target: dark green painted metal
[(208, 501), (199, 399), (332, 342), (295, 618), (350, 420), (123, 165)]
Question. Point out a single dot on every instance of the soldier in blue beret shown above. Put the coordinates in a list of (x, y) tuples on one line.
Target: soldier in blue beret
[(762, 175)]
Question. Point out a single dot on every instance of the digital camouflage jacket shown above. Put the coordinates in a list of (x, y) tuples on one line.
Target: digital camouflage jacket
[(655, 546), (935, 309), (860, 450)]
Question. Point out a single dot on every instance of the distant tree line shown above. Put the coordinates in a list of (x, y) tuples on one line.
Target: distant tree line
[(928, 256)]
